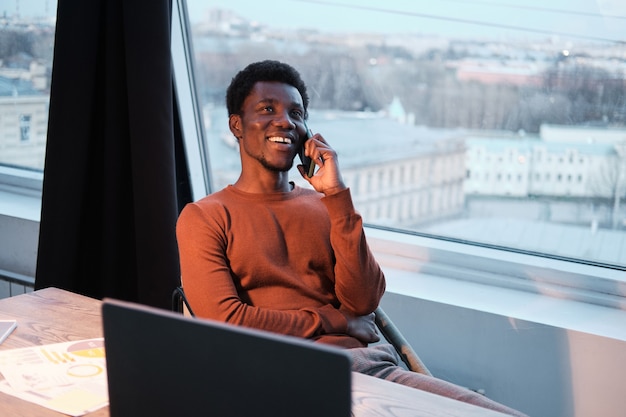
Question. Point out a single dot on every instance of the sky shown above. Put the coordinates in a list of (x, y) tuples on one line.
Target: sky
[(585, 18), (28, 7), (582, 19)]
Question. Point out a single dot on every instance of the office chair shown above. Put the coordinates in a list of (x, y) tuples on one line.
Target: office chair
[(389, 331)]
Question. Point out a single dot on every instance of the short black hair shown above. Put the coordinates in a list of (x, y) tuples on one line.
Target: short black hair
[(268, 70)]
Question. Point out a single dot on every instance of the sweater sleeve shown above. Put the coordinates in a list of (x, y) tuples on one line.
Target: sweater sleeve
[(212, 293), (359, 281)]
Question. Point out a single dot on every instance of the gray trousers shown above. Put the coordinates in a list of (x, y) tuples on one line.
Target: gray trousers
[(382, 361)]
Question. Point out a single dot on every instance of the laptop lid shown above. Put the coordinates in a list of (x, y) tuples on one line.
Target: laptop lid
[(160, 363)]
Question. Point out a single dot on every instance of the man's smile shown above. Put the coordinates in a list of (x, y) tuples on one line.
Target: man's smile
[(279, 139)]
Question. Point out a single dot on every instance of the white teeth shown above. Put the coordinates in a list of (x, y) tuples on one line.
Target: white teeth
[(278, 139)]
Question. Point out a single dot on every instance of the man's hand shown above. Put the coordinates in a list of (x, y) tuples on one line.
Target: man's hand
[(327, 179), (362, 327)]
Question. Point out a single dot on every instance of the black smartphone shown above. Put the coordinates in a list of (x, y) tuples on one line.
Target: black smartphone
[(307, 163)]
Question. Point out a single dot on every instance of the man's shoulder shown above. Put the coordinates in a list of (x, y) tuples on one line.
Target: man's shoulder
[(215, 198), (208, 203)]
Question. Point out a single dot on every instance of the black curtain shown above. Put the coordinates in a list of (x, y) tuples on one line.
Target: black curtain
[(111, 195)]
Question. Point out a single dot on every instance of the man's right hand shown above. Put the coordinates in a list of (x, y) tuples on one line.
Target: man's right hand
[(362, 327)]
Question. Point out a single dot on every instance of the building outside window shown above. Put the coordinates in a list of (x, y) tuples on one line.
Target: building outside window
[(26, 48), (25, 127)]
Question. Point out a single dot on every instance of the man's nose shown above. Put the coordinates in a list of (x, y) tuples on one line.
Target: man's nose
[(284, 120)]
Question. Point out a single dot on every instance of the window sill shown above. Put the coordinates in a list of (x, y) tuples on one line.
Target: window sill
[(567, 295), (514, 304), (20, 193), (20, 212)]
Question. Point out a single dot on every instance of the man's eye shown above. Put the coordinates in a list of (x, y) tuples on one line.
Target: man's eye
[(268, 109), (298, 113)]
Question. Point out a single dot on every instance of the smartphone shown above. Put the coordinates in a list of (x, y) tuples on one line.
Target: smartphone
[(6, 327), (307, 163)]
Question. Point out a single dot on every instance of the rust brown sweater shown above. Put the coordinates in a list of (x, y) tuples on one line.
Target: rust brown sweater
[(282, 262)]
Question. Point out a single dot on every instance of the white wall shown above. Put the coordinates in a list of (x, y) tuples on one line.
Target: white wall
[(543, 370), (18, 252)]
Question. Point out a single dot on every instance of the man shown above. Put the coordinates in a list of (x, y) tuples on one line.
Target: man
[(268, 254)]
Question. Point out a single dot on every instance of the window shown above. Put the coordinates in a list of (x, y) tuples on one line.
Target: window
[(395, 82), (26, 46), (408, 86)]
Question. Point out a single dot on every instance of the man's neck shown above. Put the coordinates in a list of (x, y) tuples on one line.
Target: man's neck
[(277, 182)]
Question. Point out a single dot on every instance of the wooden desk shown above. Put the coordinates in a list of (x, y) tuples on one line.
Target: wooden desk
[(53, 316)]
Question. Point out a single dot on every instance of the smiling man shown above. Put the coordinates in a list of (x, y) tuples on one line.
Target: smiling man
[(268, 254)]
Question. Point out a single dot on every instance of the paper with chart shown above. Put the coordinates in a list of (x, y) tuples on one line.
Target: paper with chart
[(67, 377)]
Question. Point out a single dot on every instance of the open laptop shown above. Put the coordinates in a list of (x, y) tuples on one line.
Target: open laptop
[(160, 363)]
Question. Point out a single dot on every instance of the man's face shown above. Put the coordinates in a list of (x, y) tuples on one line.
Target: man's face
[(271, 126)]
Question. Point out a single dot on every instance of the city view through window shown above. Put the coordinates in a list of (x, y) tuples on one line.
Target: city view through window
[(492, 123)]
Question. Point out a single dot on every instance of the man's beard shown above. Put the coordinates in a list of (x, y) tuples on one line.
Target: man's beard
[(273, 167)]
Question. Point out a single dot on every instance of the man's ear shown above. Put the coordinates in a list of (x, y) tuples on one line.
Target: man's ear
[(234, 123)]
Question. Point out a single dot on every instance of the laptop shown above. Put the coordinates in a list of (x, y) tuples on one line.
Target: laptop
[(160, 363)]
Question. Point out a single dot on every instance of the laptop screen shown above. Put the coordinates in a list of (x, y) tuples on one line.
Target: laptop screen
[(161, 363)]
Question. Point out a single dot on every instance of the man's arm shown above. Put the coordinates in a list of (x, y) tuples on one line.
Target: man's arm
[(359, 281)]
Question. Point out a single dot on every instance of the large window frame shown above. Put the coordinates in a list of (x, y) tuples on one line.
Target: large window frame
[(402, 254), (188, 104)]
